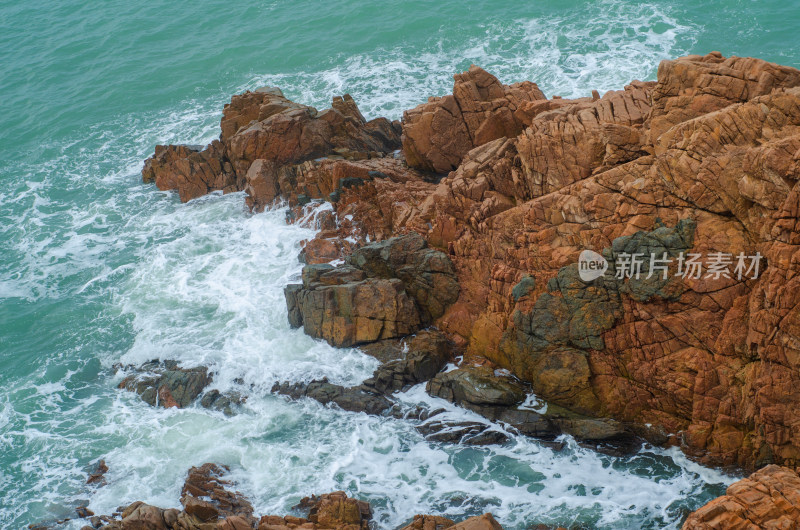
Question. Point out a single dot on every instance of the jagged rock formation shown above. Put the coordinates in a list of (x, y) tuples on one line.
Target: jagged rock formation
[(709, 163), (705, 160), (266, 127), (769, 498)]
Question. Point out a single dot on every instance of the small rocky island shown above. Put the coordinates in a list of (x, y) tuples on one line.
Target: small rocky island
[(455, 234)]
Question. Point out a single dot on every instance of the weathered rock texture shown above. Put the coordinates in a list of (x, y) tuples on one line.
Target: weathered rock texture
[(385, 290), (706, 159), (499, 397), (769, 498), (265, 127), (437, 134)]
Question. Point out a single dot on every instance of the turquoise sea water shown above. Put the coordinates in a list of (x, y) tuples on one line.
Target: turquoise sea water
[(97, 268)]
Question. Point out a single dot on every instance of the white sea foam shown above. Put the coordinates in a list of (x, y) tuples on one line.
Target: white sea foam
[(601, 45)]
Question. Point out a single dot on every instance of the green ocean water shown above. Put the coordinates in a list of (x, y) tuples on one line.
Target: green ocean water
[(97, 268)]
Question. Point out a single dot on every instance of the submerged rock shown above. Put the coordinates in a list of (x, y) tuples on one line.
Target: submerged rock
[(165, 384), (354, 399), (405, 363)]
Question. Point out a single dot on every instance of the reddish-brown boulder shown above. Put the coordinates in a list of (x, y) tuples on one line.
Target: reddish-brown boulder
[(769, 498), (264, 125), (191, 170), (205, 496), (437, 134), (429, 522), (337, 511)]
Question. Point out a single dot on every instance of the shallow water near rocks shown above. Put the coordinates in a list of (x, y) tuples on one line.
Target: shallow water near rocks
[(97, 268)]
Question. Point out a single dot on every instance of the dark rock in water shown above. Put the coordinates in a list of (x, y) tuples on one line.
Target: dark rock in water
[(406, 362), (354, 399), (225, 403), (477, 388), (498, 398), (98, 475), (165, 384), (418, 360), (463, 432), (386, 290)]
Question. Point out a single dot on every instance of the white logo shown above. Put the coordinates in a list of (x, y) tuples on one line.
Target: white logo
[(591, 265)]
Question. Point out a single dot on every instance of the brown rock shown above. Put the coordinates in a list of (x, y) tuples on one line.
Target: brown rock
[(429, 522), (480, 522), (140, 516), (98, 475), (337, 511), (437, 134), (205, 496), (704, 358), (769, 498), (166, 384), (234, 523), (264, 126)]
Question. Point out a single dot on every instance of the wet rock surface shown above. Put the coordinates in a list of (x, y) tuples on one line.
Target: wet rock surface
[(500, 398), (405, 363), (210, 504), (165, 384), (385, 290)]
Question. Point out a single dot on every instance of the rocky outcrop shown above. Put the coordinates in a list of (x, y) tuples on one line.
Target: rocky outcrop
[(702, 161), (437, 134), (385, 290), (408, 362), (266, 127), (769, 498), (165, 384), (209, 504), (705, 160), (354, 399)]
